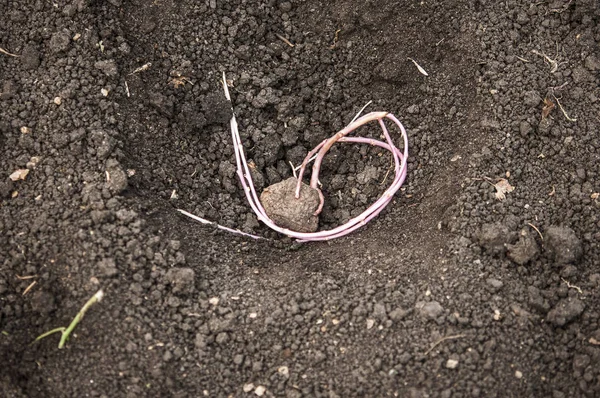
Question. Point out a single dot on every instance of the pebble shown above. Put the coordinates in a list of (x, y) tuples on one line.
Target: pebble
[(260, 390), (57, 100), (452, 364), (284, 371), (248, 387), (518, 374), (117, 177)]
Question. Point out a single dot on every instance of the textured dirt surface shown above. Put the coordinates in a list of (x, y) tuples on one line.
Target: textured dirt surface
[(116, 110)]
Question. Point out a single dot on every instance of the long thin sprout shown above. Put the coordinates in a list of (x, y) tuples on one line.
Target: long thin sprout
[(400, 159)]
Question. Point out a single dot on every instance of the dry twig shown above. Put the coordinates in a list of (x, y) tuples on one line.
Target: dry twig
[(283, 39), (3, 51), (457, 336), (29, 287)]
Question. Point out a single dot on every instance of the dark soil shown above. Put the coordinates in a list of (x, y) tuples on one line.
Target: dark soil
[(450, 292)]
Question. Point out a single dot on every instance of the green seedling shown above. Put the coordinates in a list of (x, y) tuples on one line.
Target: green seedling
[(66, 331)]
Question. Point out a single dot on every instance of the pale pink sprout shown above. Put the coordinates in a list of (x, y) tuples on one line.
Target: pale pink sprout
[(400, 167)]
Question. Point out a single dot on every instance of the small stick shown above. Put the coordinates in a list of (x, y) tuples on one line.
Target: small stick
[(283, 39), (142, 68), (233, 231), (29, 287), (23, 278), (3, 51), (458, 336), (361, 111), (127, 89), (536, 230)]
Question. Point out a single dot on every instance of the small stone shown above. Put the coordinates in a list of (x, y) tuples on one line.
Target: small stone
[(25, 130), (248, 387), (57, 100), (104, 92), (19, 174), (497, 315), (518, 374), (260, 390), (285, 6), (108, 67), (214, 301), (565, 311), (564, 245), (33, 162), (182, 279), (116, 176), (286, 211), (284, 371), (525, 250), (370, 323), (452, 364), (431, 309)]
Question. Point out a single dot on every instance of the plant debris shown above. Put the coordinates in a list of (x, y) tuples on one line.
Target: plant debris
[(3, 51), (563, 110), (142, 68), (502, 187), (548, 107), (419, 67), (553, 63)]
